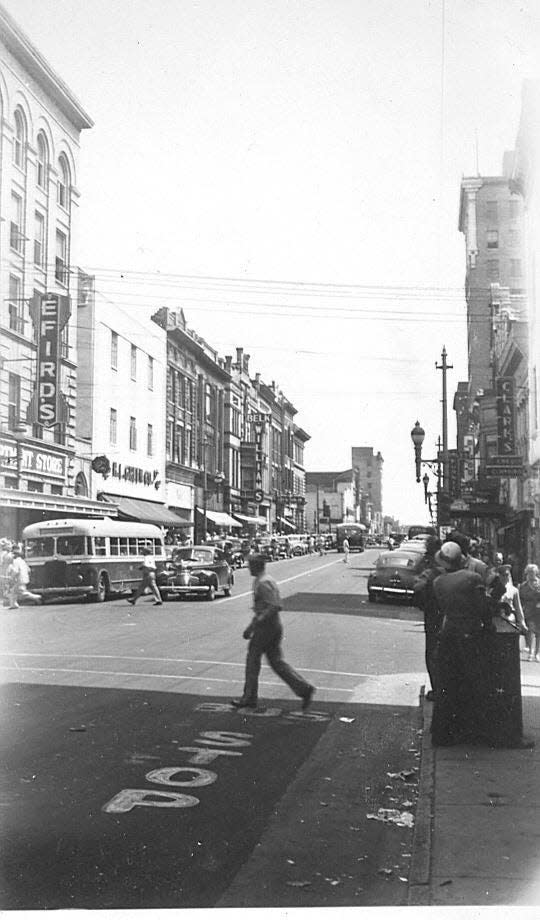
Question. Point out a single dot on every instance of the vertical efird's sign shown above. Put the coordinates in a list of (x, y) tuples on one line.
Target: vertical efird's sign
[(505, 416), (48, 369)]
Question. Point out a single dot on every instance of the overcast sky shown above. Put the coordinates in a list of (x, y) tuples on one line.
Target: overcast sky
[(311, 152)]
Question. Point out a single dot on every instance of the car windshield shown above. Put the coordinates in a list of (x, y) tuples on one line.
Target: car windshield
[(399, 560), (194, 554)]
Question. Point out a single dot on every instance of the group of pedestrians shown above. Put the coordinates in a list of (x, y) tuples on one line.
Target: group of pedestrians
[(14, 576), (460, 595)]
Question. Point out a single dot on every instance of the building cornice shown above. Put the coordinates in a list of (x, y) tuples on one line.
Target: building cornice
[(35, 64)]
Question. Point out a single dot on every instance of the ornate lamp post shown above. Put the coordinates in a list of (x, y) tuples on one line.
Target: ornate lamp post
[(417, 436)]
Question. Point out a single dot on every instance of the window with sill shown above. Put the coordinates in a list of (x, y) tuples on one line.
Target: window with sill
[(19, 140), (16, 237), (42, 161), (39, 239), (16, 305), (14, 401), (61, 270), (114, 350), (132, 433), (63, 191), (492, 239), (133, 362)]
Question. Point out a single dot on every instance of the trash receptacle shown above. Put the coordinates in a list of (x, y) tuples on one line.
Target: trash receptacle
[(505, 716)]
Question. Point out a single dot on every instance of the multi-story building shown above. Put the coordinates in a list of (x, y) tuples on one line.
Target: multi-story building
[(40, 129), (492, 407), (121, 410), (525, 182), (332, 498), (368, 470)]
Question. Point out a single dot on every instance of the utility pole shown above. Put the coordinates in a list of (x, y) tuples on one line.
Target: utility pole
[(444, 367)]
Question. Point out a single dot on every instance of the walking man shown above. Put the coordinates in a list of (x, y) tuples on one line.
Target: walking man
[(265, 633), (148, 579), (346, 548), (18, 576)]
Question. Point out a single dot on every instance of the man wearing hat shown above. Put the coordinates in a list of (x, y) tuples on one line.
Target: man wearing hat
[(459, 713), (18, 575), (265, 633)]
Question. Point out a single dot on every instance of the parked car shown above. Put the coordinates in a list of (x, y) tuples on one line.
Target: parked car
[(233, 551), (298, 546), (394, 575), (266, 548), (196, 570), (283, 548)]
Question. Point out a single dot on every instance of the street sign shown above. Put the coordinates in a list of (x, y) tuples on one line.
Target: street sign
[(459, 505)]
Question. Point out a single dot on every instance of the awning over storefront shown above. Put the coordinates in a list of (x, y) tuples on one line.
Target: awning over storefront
[(138, 509), (247, 519), (62, 504), (286, 523), (220, 518)]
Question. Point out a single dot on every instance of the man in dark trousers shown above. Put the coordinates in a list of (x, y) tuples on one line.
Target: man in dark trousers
[(265, 633), (424, 598)]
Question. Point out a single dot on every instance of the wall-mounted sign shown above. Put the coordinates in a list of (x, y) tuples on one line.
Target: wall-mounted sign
[(508, 465), (136, 474), (32, 460), (506, 440)]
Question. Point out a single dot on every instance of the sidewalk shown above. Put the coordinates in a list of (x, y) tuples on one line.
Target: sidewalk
[(477, 834)]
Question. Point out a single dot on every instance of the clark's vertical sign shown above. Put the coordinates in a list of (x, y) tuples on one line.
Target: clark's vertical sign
[(505, 416)]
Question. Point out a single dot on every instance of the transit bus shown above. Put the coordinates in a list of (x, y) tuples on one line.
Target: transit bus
[(91, 558), (355, 536)]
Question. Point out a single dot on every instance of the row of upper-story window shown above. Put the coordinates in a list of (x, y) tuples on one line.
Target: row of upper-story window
[(19, 157), (18, 239), (495, 210), (114, 428), (115, 343), (493, 271)]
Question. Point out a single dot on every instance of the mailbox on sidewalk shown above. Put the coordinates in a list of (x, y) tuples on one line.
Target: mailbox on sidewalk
[(505, 716)]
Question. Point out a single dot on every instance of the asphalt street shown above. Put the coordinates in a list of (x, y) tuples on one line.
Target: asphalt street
[(129, 781)]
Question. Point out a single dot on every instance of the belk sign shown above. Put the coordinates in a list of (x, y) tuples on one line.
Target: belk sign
[(53, 315)]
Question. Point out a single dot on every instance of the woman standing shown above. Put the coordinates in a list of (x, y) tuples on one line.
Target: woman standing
[(511, 599), (529, 592)]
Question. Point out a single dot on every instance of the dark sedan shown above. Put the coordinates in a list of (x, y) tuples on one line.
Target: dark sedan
[(196, 570), (394, 575)]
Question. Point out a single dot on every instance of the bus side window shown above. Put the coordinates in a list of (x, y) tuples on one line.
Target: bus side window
[(158, 547), (132, 546), (100, 546), (115, 546), (141, 544), (124, 549)]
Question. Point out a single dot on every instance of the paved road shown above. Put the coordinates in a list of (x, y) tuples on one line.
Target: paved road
[(130, 782)]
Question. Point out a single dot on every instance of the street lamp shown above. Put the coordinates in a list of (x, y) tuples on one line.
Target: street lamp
[(417, 435)]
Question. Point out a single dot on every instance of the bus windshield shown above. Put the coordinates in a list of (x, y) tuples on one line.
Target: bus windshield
[(37, 548)]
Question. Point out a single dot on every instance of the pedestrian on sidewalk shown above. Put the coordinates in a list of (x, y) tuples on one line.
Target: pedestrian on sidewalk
[(18, 577), (148, 579), (424, 598), (510, 603), (461, 699), (346, 548), (265, 633), (529, 592)]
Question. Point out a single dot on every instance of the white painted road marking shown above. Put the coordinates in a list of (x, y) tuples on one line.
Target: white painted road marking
[(282, 581)]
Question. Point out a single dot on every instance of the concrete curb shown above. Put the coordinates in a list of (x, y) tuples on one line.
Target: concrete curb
[(420, 871)]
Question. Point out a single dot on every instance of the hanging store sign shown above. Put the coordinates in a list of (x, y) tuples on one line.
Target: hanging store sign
[(53, 312), (506, 439)]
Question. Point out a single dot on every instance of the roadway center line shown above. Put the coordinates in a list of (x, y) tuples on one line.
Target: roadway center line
[(318, 568)]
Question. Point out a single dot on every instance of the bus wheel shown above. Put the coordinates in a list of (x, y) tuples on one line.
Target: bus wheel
[(102, 589)]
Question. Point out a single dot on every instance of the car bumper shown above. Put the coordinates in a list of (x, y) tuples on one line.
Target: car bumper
[(185, 589), (379, 589)]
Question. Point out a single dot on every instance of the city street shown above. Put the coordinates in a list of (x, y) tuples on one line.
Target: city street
[(131, 782)]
